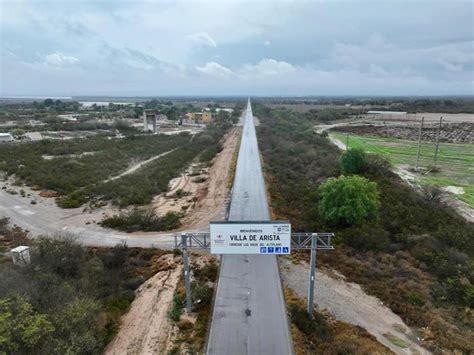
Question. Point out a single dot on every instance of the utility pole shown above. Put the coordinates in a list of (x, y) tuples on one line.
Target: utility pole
[(312, 274), (187, 284), (347, 141), (437, 142), (419, 145)]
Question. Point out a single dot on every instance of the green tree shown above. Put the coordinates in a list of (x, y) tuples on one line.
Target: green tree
[(22, 329), (349, 200), (48, 102), (76, 328), (353, 161)]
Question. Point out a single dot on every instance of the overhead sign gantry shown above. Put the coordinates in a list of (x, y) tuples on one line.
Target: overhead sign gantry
[(254, 237), (266, 237)]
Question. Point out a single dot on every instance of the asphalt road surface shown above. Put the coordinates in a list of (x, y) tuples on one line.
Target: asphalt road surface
[(249, 312)]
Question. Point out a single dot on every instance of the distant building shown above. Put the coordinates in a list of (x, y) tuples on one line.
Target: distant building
[(229, 110), (386, 114), (6, 137), (149, 116), (204, 116)]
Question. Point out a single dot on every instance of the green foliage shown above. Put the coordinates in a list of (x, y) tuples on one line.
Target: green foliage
[(142, 220), (349, 200), (174, 313), (353, 161), (21, 327), (415, 298), (416, 245), (80, 177), (76, 328), (72, 297), (318, 326)]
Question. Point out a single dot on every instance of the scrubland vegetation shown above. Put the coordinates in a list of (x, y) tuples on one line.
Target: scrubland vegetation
[(70, 298), (79, 168), (145, 221), (417, 257)]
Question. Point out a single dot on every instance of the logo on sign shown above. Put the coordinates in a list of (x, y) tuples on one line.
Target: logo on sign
[(271, 249), (263, 250), (219, 239), (277, 250), (281, 229), (285, 250)]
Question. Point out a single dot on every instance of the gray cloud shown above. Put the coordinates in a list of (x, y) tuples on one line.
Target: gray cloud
[(236, 47)]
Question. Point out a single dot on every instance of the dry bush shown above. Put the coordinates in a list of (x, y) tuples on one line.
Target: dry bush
[(326, 335)]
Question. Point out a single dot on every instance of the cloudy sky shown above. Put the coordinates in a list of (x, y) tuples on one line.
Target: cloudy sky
[(145, 47)]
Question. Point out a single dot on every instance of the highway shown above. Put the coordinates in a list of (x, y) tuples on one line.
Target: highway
[(249, 314)]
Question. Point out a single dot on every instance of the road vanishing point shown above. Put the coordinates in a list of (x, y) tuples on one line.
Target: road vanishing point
[(249, 315)]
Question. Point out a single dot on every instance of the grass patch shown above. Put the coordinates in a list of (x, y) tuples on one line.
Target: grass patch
[(396, 340), (455, 161)]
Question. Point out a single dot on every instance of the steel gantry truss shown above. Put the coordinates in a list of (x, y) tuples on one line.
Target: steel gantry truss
[(299, 241)]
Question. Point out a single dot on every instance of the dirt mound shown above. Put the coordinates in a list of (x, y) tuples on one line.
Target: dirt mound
[(48, 194)]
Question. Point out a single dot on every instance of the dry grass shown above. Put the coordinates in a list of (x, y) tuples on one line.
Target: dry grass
[(340, 337)]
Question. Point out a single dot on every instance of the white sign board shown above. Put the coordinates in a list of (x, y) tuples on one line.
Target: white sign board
[(269, 237)]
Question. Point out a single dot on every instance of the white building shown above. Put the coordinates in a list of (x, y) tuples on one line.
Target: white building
[(6, 137), (229, 110), (386, 114)]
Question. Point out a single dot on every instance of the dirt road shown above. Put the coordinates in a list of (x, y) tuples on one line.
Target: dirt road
[(137, 166), (145, 328), (347, 302)]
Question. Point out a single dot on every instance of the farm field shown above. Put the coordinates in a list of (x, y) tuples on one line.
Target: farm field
[(455, 161)]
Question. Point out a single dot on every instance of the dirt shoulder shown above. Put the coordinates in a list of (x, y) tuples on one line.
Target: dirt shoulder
[(145, 328), (349, 303)]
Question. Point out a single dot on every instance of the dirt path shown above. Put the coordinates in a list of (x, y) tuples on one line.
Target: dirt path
[(145, 328), (349, 303), (137, 166)]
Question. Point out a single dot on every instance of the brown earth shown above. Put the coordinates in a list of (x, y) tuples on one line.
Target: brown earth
[(145, 328), (450, 132), (347, 302)]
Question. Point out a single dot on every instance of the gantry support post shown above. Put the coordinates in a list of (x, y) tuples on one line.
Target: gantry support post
[(312, 274), (419, 145), (187, 283)]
